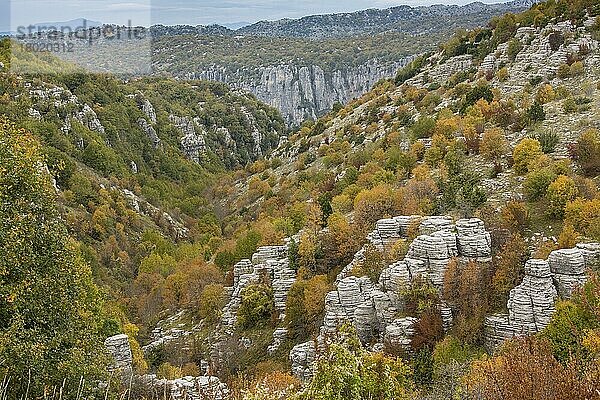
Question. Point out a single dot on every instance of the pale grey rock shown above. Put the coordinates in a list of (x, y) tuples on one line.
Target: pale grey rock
[(133, 166), (265, 253), (435, 251), (430, 225), (168, 331), (279, 336), (530, 306), (569, 270), (148, 109), (306, 91), (473, 240), (303, 357), (190, 387), (192, 141), (144, 208), (149, 131), (591, 254), (399, 333), (88, 118), (118, 347)]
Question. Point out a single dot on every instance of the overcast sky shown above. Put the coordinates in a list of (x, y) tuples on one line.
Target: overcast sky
[(198, 12)]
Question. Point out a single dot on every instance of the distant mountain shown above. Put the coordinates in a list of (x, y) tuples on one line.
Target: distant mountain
[(178, 30), (414, 20), (236, 25), (73, 25)]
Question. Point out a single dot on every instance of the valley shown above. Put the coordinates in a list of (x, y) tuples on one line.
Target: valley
[(292, 212)]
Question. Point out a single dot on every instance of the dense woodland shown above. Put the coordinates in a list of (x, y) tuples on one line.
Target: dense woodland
[(79, 263)]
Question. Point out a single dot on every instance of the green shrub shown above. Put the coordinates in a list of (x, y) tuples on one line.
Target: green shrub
[(536, 183), (257, 307), (526, 152), (548, 140)]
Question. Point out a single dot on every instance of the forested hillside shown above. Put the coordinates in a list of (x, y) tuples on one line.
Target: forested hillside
[(437, 238)]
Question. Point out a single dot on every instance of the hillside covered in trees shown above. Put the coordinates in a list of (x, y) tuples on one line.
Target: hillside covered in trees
[(435, 239)]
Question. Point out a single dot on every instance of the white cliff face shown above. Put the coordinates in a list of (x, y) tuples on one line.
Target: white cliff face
[(301, 92)]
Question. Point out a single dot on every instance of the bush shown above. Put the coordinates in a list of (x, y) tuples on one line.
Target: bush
[(257, 307), (587, 152), (525, 153), (577, 69), (514, 47), (564, 71), (548, 140), (536, 183), (570, 106), (494, 145), (502, 74), (502, 376), (349, 372), (423, 128), (556, 39), (305, 306), (584, 215), (559, 193), (536, 113), (169, 372), (212, 301), (509, 263), (515, 216)]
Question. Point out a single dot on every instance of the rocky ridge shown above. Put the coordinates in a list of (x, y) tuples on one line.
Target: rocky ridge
[(185, 388)]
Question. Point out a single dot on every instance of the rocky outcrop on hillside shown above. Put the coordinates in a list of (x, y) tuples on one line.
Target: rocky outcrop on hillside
[(302, 92), (192, 141), (188, 387), (270, 265), (374, 308), (531, 304), (120, 351)]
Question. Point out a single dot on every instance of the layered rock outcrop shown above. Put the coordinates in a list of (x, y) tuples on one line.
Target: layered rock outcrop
[(120, 351), (531, 304), (186, 388), (269, 265), (301, 92), (375, 308)]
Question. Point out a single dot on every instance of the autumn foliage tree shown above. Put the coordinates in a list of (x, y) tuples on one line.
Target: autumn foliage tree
[(50, 310), (466, 290), (527, 369)]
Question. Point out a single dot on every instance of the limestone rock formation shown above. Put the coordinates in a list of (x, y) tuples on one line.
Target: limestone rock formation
[(568, 269), (303, 357), (149, 131), (531, 304), (270, 262), (301, 92), (373, 307), (399, 333), (189, 387), (118, 347), (193, 144)]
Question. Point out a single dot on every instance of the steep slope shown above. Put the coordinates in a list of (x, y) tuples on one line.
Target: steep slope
[(304, 67)]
